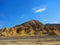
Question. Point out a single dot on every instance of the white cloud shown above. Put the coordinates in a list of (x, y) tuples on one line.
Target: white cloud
[(39, 9)]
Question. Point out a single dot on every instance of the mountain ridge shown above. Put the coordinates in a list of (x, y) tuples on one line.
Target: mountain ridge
[(31, 28)]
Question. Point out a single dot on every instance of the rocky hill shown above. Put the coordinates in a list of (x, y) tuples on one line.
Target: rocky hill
[(55, 28), (32, 28)]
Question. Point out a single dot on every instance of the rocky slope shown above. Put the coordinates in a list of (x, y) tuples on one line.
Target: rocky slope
[(55, 28), (31, 28)]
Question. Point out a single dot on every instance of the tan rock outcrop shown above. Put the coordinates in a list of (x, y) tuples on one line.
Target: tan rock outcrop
[(31, 28)]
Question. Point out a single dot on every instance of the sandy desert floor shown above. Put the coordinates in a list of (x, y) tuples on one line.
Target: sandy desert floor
[(30, 41)]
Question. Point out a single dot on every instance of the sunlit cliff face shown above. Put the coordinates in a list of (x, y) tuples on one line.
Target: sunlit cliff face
[(31, 28)]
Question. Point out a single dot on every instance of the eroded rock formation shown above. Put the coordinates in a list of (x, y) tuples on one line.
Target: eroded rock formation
[(31, 28)]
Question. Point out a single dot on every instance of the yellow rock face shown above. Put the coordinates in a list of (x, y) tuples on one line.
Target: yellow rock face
[(31, 28)]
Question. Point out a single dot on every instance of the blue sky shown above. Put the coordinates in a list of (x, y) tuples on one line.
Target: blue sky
[(14, 12)]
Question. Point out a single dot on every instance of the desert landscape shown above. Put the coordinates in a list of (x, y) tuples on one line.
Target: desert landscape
[(31, 33), (29, 22)]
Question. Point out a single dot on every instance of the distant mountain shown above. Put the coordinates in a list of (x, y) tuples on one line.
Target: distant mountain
[(32, 28), (55, 28)]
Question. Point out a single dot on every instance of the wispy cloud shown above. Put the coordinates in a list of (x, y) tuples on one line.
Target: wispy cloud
[(37, 10), (44, 20), (0, 26), (56, 22), (22, 16)]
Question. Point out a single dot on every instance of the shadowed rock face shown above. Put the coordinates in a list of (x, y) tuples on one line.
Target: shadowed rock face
[(31, 25), (32, 28), (55, 28)]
